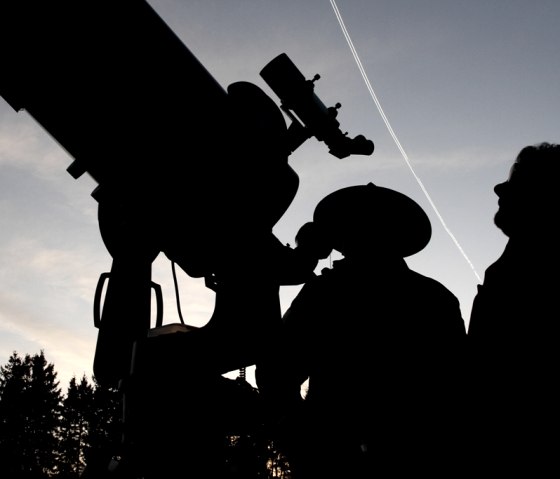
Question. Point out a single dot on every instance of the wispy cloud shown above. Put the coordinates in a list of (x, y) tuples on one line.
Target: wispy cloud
[(71, 349)]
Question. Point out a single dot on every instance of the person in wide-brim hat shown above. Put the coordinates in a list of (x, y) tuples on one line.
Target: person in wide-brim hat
[(371, 325), (363, 217)]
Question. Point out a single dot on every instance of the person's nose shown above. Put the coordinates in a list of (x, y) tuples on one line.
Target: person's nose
[(499, 188)]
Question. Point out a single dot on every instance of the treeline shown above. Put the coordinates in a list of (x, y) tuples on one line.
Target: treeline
[(45, 433)]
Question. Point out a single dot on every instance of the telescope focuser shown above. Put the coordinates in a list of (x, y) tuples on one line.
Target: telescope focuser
[(309, 116)]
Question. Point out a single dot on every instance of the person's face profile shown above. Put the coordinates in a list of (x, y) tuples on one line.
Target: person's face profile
[(513, 184), (506, 193)]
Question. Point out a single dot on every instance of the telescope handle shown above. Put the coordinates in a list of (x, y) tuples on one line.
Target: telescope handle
[(103, 278), (124, 318)]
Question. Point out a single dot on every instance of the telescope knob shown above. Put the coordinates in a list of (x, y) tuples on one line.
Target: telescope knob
[(333, 110), (76, 169)]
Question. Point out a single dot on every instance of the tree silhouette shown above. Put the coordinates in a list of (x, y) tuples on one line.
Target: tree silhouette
[(30, 408), (44, 434), (105, 428), (74, 430), (14, 380)]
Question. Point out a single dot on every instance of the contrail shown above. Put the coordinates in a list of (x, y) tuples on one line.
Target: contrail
[(391, 131)]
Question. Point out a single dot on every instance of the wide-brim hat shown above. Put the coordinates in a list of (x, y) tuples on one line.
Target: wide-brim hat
[(374, 214)]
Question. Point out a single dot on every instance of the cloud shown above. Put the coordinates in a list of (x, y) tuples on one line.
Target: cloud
[(70, 348), (26, 145), (467, 158)]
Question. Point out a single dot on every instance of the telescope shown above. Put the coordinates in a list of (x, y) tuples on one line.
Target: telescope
[(308, 114), (181, 163), (183, 167)]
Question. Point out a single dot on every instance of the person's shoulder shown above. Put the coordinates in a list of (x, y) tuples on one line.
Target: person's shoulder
[(443, 306), (427, 283)]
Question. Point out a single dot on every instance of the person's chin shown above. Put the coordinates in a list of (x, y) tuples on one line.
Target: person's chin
[(501, 222), (503, 227)]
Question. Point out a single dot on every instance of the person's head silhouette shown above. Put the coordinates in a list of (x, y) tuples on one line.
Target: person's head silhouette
[(366, 220), (528, 199)]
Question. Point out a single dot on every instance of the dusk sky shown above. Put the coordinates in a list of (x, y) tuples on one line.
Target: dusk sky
[(464, 86)]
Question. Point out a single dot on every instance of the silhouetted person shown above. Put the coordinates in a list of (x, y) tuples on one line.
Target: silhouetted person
[(513, 330), (381, 345)]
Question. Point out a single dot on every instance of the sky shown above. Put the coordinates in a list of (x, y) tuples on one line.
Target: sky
[(463, 87)]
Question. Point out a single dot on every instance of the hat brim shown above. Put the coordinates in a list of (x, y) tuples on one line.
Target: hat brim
[(373, 213)]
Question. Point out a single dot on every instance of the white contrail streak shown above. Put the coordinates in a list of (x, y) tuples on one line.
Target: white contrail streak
[(391, 131)]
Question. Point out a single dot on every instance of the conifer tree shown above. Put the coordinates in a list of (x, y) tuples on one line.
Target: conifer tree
[(45, 413), (105, 425), (29, 417), (74, 430), (14, 382)]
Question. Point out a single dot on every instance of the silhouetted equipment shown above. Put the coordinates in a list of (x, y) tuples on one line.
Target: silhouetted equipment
[(182, 164), (300, 101), (168, 146)]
